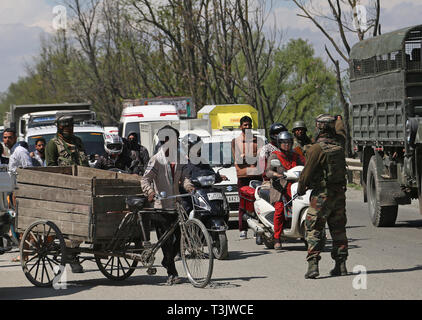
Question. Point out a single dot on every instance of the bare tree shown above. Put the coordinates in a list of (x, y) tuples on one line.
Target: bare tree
[(343, 16)]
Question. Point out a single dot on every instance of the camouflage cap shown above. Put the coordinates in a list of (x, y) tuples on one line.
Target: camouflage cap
[(325, 118)]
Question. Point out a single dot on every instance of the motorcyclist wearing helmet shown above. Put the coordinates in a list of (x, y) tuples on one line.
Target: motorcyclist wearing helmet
[(191, 147), (269, 148), (280, 190), (114, 158), (301, 141)]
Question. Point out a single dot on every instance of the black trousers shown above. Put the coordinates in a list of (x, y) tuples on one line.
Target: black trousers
[(172, 245)]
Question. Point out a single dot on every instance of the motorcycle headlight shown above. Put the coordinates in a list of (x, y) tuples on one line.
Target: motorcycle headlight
[(206, 181), (202, 203)]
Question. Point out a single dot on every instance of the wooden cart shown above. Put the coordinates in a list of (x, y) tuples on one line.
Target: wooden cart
[(58, 208)]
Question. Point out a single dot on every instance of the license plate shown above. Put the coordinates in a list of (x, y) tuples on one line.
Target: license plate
[(233, 199), (215, 196)]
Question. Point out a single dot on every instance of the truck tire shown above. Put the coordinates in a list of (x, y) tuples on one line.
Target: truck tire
[(381, 216)]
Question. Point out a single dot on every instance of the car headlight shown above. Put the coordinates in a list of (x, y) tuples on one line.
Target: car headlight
[(207, 181)]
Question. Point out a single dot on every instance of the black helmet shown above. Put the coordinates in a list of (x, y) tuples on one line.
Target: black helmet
[(189, 140), (275, 129)]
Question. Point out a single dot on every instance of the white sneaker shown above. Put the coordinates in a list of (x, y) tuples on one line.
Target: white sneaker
[(243, 235)]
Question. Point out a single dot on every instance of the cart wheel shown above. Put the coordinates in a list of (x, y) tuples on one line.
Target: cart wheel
[(117, 268), (42, 252), (196, 252)]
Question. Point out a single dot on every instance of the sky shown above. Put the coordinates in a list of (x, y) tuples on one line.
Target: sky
[(24, 22)]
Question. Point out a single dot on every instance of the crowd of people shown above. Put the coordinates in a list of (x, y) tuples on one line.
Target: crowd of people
[(324, 173)]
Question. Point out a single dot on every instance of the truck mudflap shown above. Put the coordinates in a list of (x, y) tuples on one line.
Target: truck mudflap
[(391, 194)]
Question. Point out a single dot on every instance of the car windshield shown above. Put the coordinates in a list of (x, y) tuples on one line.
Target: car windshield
[(93, 141), (217, 153)]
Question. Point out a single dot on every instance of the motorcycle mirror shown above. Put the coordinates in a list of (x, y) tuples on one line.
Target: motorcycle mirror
[(275, 163), (163, 194)]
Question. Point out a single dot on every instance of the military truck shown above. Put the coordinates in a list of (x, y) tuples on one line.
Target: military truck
[(386, 120)]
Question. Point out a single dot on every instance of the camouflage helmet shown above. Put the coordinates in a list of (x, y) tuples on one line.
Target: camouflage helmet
[(325, 122), (64, 121), (300, 124)]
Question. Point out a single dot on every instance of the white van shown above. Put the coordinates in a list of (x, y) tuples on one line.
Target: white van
[(133, 116)]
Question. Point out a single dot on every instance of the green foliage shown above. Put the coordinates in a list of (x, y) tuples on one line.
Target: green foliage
[(307, 86)]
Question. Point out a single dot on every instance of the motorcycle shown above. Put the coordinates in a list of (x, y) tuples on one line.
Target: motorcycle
[(261, 220), (211, 207)]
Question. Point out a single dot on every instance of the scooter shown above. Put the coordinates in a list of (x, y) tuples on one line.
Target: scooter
[(211, 207), (295, 210)]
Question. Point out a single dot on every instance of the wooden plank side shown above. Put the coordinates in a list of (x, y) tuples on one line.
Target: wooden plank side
[(106, 226), (126, 176), (54, 206), (53, 215), (116, 182), (60, 170), (54, 180), (90, 173), (65, 227), (117, 190), (52, 194), (108, 203)]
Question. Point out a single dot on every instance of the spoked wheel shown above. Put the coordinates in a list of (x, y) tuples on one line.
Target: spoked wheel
[(42, 252), (117, 268), (196, 252)]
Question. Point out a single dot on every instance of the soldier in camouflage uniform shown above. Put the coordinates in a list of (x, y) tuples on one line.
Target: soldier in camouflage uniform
[(325, 174), (65, 149), (301, 141)]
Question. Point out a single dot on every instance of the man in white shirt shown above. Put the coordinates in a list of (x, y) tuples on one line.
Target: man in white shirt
[(19, 156)]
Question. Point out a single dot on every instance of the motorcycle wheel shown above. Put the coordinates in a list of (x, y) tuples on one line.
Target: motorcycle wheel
[(220, 245), (268, 241)]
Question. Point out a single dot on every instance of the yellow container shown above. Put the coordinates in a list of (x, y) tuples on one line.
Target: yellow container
[(228, 116)]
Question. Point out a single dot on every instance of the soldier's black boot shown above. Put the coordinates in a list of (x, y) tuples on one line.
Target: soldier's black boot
[(313, 270), (339, 268)]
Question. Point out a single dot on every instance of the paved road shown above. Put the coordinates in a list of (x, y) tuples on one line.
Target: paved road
[(392, 258)]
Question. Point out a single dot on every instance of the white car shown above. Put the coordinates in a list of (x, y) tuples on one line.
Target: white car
[(91, 135)]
